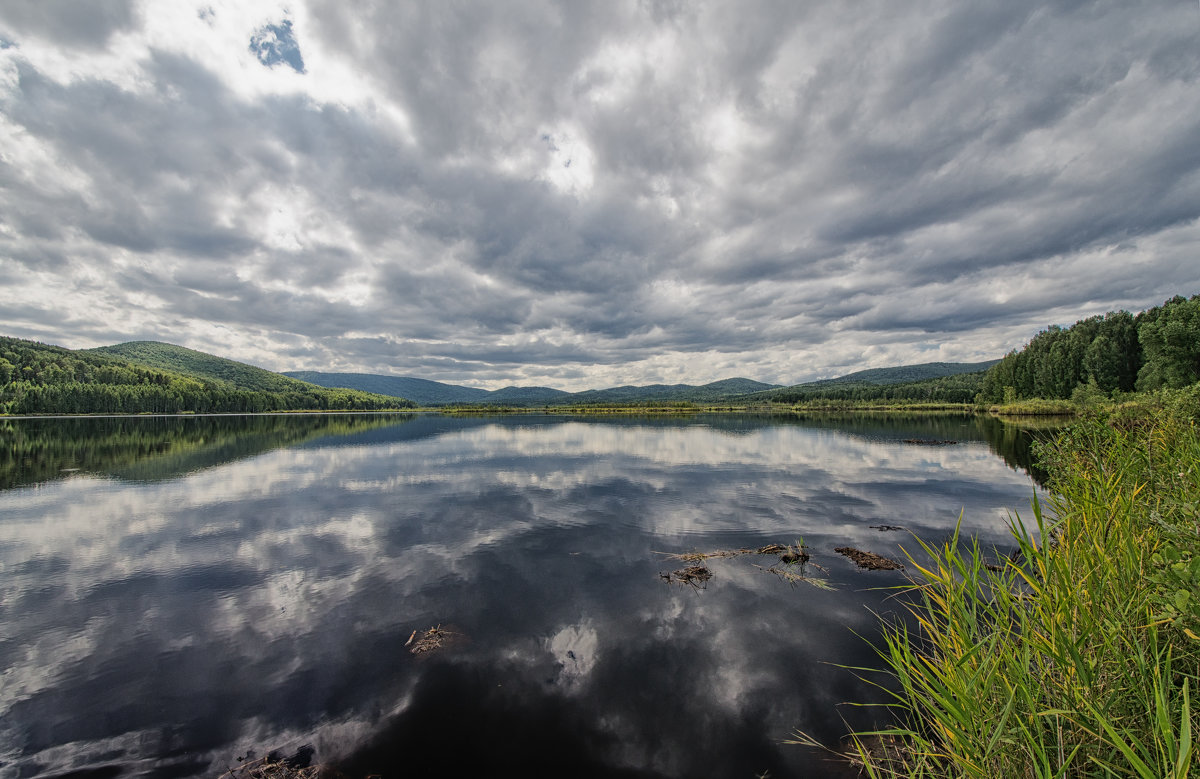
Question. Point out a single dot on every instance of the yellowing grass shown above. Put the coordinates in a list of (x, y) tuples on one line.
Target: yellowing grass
[(1078, 657)]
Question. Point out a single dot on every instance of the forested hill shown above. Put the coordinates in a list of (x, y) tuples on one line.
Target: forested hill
[(199, 365), (905, 374), (41, 379), (934, 382), (423, 391), (1118, 352)]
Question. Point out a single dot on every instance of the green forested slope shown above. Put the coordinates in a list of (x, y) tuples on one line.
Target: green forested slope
[(423, 391), (955, 388), (904, 374), (937, 382), (189, 362), (41, 379)]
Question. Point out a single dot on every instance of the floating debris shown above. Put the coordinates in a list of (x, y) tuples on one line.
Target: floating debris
[(795, 552), (791, 567), (929, 442), (272, 766), (885, 527), (695, 575), (869, 560), (794, 574), (434, 638), (794, 556)]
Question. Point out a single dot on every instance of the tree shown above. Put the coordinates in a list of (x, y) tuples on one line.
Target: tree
[(1170, 339)]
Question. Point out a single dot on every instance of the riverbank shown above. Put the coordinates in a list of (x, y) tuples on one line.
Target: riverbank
[(1025, 409), (1080, 655), (720, 408)]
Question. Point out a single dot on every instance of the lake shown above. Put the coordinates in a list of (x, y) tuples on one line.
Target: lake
[(179, 593)]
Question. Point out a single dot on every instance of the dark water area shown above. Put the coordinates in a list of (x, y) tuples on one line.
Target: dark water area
[(178, 593)]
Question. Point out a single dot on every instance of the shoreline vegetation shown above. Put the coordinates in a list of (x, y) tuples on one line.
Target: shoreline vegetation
[(1080, 655), (1023, 410)]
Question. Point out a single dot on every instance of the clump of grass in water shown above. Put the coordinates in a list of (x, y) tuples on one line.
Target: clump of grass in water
[(1079, 660)]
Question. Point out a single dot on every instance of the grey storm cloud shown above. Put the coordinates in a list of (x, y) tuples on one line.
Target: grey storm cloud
[(594, 193), (89, 25)]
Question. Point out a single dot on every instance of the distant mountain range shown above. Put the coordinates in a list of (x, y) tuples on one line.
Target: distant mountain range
[(434, 393), (143, 376)]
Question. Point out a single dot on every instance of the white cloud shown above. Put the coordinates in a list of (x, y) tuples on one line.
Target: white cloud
[(587, 195)]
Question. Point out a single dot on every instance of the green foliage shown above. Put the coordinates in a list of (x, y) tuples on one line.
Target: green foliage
[(1078, 655), (52, 380), (1088, 396), (1116, 353), (1170, 338)]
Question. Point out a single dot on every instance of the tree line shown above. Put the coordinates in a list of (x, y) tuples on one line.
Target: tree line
[(959, 388), (1114, 353), (40, 379)]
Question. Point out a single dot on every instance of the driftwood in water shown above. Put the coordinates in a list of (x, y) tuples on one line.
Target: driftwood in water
[(869, 560), (795, 553), (427, 641)]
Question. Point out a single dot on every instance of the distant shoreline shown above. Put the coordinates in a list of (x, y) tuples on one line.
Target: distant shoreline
[(1017, 410)]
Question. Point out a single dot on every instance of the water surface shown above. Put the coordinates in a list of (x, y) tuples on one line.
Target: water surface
[(178, 593)]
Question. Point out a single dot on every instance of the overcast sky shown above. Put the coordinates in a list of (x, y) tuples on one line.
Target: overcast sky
[(589, 194)]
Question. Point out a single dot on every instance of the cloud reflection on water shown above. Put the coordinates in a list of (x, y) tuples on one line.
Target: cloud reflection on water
[(267, 601)]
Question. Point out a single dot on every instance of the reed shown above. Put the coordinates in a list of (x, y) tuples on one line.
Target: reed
[(1077, 657)]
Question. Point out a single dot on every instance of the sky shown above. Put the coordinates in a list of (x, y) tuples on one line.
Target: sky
[(588, 194)]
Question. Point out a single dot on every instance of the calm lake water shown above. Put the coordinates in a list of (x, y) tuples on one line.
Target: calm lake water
[(179, 593)]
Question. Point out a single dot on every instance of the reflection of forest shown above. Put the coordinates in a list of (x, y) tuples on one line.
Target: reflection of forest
[(1013, 442), (149, 448)]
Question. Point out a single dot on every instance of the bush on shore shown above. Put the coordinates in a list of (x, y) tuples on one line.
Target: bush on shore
[(1080, 655)]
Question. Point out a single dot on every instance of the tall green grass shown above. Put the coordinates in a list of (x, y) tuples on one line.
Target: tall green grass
[(1079, 656)]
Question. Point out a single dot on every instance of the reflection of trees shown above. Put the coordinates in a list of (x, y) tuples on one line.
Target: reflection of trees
[(37, 450), (148, 448), (954, 426), (1014, 443)]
